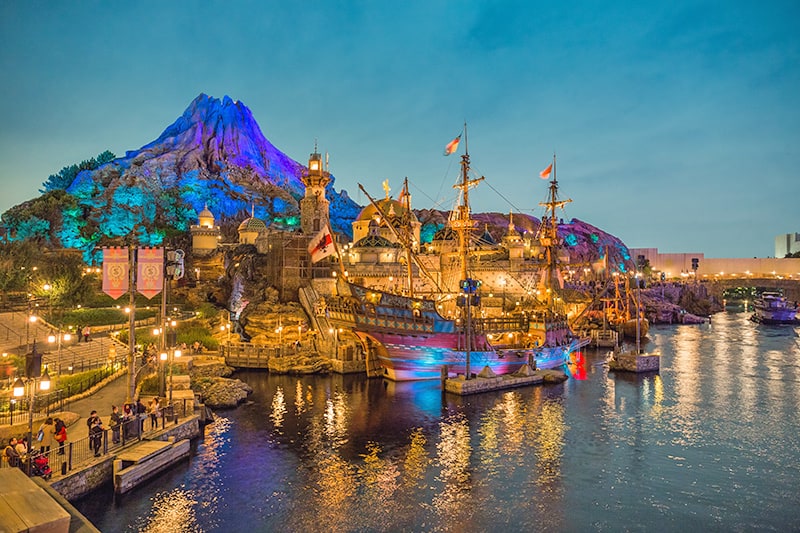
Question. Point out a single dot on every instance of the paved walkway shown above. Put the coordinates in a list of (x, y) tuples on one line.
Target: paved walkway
[(101, 401)]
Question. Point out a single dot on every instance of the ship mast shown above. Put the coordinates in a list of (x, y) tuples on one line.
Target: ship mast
[(405, 201), (549, 236), (461, 221)]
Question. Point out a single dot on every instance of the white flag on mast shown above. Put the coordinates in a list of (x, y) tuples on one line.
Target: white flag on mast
[(321, 245)]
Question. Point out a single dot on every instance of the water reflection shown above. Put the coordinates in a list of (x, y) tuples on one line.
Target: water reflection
[(452, 501), (173, 513), (183, 508), (703, 442)]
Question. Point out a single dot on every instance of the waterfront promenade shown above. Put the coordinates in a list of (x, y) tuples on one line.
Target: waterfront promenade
[(75, 410)]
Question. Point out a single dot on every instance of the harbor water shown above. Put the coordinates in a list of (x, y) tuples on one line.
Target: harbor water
[(711, 443)]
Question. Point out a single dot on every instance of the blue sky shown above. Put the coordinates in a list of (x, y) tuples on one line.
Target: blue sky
[(676, 124)]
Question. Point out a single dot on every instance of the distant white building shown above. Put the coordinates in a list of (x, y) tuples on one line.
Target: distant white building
[(677, 265), (787, 244)]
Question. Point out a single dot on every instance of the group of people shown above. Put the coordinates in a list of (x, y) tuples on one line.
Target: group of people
[(52, 430), (83, 332)]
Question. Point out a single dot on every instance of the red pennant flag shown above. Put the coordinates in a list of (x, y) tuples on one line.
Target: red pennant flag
[(150, 278), (452, 146), (545, 174), (115, 271), (321, 245)]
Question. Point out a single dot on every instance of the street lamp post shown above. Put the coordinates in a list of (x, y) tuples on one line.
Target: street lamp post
[(66, 337), (174, 353), (161, 374), (19, 392)]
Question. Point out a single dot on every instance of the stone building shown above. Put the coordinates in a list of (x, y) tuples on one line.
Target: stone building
[(205, 234)]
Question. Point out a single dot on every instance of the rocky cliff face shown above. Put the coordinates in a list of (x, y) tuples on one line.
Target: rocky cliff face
[(585, 244)]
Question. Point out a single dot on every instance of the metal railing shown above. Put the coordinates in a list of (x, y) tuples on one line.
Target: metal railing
[(73, 455), (17, 410)]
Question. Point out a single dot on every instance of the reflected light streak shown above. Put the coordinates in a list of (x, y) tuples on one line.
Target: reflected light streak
[(550, 443), (379, 479), (173, 512), (278, 408), (686, 362), (336, 418), (299, 401), (453, 455), (417, 460)]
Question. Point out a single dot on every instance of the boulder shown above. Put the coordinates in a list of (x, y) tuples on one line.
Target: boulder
[(222, 392)]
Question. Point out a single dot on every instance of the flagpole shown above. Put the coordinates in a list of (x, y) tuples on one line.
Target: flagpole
[(336, 249)]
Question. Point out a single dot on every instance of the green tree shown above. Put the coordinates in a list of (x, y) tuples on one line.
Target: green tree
[(64, 177)]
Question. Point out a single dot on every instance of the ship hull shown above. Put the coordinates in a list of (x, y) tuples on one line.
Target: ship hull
[(775, 318), (415, 359)]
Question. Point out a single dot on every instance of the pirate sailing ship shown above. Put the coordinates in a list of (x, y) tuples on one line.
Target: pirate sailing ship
[(411, 340)]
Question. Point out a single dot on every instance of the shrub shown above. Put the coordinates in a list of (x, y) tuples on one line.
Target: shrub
[(73, 384), (187, 332), (149, 386), (103, 316)]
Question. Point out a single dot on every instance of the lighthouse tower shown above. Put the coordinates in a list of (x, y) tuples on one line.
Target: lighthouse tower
[(314, 207)]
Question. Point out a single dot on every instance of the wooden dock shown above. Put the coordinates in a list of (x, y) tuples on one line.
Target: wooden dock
[(486, 382), (142, 461), (25, 506)]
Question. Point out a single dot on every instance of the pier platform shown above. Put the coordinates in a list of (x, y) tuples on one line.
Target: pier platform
[(29, 504), (487, 381), (142, 461)]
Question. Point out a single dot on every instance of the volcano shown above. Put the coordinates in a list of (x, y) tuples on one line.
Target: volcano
[(213, 155)]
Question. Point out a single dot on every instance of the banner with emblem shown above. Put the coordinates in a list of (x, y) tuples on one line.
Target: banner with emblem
[(150, 278), (115, 271)]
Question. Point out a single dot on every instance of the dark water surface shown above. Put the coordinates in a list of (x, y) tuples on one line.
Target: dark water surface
[(712, 442)]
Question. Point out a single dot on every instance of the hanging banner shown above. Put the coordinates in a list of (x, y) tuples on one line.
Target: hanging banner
[(150, 278), (115, 271)]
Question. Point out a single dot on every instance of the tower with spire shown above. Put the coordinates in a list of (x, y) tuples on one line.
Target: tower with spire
[(205, 234), (512, 240), (314, 207)]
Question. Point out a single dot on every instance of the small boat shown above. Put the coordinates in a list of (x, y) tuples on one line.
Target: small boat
[(774, 308), (635, 360)]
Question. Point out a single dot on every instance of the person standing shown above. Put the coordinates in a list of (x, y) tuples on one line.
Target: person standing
[(48, 432), (154, 409), (11, 454), (86, 332), (90, 422), (96, 436), (61, 435), (116, 422)]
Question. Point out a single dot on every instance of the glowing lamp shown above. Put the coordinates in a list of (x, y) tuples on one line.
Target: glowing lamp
[(44, 383), (19, 388)]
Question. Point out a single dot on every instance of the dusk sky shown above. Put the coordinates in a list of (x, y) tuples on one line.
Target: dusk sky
[(676, 124)]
